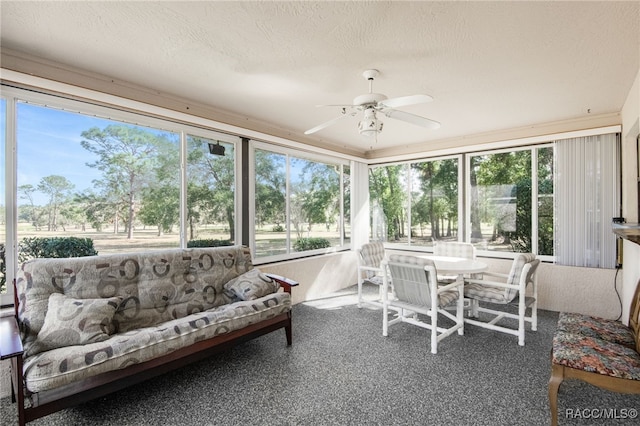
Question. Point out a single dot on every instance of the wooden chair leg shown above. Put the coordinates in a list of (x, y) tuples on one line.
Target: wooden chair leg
[(288, 330), (557, 376), (13, 392), (17, 388)]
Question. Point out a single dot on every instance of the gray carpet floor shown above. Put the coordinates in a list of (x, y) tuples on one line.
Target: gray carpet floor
[(342, 371)]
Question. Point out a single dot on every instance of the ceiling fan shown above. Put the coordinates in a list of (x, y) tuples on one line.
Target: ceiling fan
[(372, 103)]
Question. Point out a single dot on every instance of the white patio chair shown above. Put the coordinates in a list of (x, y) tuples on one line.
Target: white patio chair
[(455, 249), (511, 289), (417, 291), (370, 257)]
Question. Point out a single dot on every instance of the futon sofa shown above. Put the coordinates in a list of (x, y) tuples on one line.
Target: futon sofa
[(88, 326)]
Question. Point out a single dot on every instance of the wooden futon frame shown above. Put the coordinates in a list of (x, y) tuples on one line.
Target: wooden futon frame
[(50, 401)]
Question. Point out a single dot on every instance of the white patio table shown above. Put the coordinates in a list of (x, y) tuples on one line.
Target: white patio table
[(456, 265)]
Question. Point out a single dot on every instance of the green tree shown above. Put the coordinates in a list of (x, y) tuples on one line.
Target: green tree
[(57, 188), (96, 208), (160, 205), (385, 185), (198, 201), (161, 208), (126, 155), (439, 184), (346, 198), (270, 187), (320, 197), (25, 192), (545, 201), (498, 174), (446, 179), (211, 188)]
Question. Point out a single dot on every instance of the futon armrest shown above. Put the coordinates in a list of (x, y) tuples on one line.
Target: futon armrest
[(10, 343), (286, 283)]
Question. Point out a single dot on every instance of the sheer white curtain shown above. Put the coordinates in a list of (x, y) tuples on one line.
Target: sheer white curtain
[(587, 197)]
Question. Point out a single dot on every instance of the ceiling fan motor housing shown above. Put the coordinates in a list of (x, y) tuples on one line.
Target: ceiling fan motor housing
[(369, 99)]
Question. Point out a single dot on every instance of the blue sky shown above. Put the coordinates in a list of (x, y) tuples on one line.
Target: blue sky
[(49, 144)]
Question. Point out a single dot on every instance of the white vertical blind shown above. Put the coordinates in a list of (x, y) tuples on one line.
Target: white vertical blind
[(587, 197)]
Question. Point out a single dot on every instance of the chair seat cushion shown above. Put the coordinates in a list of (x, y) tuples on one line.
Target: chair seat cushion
[(595, 355), (376, 280), (601, 328), (485, 293), (448, 297)]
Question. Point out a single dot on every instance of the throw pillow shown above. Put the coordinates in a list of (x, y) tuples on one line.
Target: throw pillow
[(70, 322), (251, 285)]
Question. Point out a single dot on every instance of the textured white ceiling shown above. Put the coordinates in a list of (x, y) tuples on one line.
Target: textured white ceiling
[(488, 65)]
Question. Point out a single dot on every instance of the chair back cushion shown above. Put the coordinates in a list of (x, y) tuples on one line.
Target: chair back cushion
[(372, 254), (411, 280), (516, 272), (454, 249)]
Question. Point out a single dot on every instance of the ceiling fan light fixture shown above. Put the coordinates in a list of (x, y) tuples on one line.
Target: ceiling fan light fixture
[(369, 132), (369, 126)]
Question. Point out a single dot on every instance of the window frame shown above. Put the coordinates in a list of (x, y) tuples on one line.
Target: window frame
[(15, 95), (461, 189), (534, 199), (464, 193), (7, 298), (306, 155), (16, 82)]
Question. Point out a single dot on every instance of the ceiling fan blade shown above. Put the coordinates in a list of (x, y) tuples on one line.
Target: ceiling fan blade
[(340, 106), (412, 118), (326, 124), (404, 101)]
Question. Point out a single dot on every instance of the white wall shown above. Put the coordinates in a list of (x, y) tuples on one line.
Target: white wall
[(560, 288), (318, 276)]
